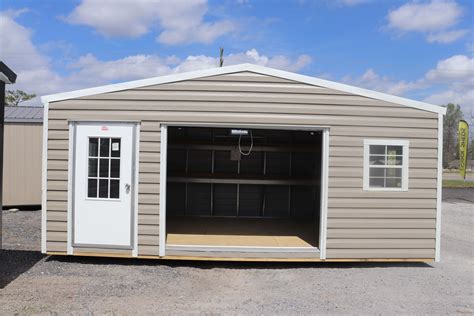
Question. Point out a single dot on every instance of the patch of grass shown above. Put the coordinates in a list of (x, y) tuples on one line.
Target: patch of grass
[(457, 184)]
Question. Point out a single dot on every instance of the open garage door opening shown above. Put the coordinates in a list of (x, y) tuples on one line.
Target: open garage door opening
[(247, 190)]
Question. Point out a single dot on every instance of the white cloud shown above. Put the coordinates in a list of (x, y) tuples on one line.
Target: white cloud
[(179, 21), (372, 80), (457, 75), (452, 80), (456, 70), (17, 50), (36, 74), (434, 19), (425, 17), (446, 37), (464, 98), (145, 66)]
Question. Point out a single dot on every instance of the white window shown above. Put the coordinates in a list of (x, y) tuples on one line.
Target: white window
[(385, 165)]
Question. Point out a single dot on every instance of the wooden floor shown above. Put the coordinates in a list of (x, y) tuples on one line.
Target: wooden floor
[(241, 232)]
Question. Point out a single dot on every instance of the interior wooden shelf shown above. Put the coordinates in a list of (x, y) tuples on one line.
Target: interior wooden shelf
[(241, 179), (256, 147)]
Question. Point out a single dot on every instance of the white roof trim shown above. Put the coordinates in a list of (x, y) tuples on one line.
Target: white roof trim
[(4, 78), (245, 67)]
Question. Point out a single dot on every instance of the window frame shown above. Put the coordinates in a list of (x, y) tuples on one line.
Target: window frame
[(404, 166)]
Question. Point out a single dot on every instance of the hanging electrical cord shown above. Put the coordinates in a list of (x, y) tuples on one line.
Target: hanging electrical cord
[(251, 145)]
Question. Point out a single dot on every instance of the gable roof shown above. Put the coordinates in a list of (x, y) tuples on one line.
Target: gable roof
[(245, 67), (24, 114)]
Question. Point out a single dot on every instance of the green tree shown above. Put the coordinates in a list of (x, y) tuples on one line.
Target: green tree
[(15, 97), (450, 132)]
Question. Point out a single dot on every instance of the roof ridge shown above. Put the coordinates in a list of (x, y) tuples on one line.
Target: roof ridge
[(240, 68)]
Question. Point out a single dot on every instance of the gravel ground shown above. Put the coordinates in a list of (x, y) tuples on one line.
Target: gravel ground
[(31, 283)]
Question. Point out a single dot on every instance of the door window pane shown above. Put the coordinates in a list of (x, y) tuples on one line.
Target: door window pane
[(115, 148), (115, 168), (93, 147), (104, 147), (103, 188), (114, 189), (92, 167), (92, 188), (104, 168)]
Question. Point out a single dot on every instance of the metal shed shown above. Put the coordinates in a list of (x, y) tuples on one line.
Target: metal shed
[(22, 156), (241, 163)]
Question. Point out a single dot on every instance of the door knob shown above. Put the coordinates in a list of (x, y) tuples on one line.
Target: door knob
[(127, 188)]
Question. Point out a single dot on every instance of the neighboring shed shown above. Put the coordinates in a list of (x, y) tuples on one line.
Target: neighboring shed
[(22, 156), (241, 163)]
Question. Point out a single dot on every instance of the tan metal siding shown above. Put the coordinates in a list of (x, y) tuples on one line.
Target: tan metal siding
[(376, 219), (22, 154)]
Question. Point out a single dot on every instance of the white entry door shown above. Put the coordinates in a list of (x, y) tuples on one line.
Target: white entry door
[(103, 185)]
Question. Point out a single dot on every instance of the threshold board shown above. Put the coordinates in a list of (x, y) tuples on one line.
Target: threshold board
[(242, 252)]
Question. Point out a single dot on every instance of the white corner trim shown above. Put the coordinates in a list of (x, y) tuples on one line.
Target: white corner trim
[(245, 67), (136, 189), (324, 195), (405, 167), (439, 189), (70, 186), (44, 179), (162, 207)]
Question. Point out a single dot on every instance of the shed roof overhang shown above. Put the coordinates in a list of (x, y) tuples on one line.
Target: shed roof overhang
[(245, 67), (6, 74)]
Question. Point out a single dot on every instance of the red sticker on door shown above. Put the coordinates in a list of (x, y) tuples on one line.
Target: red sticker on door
[(104, 128)]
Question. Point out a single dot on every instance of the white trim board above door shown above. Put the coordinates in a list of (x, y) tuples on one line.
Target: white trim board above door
[(103, 185)]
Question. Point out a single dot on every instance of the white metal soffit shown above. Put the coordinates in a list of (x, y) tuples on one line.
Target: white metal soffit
[(239, 68)]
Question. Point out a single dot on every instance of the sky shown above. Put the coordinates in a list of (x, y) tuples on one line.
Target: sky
[(420, 49)]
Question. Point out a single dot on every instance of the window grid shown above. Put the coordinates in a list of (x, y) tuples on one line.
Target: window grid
[(104, 168), (385, 165)]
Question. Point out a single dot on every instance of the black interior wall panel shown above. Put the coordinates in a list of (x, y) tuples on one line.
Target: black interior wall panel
[(278, 137), (303, 201), (278, 164), (305, 137), (176, 160), (225, 200), (199, 199), (176, 134), (223, 164), (175, 199), (199, 134), (199, 161), (303, 164), (251, 164), (276, 201), (250, 200)]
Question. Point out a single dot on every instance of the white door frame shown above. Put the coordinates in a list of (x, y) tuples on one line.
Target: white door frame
[(324, 171), (134, 190)]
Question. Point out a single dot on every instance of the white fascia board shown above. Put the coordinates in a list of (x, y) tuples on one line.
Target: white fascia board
[(4, 78), (252, 68)]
